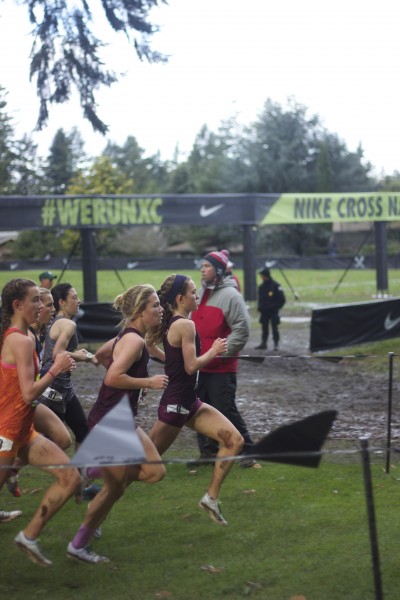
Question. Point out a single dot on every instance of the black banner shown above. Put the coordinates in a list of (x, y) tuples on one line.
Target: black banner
[(353, 324), (97, 322), (81, 212), (97, 211)]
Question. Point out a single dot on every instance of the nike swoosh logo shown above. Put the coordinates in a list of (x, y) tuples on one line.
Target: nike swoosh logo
[(206, 212), (390, 323)]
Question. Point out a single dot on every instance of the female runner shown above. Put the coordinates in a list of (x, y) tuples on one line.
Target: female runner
[(19, 392), (60, 336), (179, 404), (127, 374), (45, 420)]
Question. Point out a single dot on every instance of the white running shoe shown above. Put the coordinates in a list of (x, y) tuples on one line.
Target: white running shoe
[(212, 507), (85, 554), (31, 549), (5, 516)]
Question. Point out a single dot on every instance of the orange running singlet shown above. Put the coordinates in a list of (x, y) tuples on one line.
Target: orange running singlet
[(16, 416)]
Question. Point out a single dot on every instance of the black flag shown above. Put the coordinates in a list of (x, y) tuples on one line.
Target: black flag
[(295, 444)]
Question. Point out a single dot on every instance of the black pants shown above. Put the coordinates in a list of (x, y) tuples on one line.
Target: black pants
[(265, 319), (219, 390), (73, 416)]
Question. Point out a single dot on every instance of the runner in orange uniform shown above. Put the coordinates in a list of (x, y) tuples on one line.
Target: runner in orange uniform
[(19, 391)]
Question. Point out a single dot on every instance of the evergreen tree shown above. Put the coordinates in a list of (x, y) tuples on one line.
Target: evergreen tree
[(324, 174), (147, 174), (7, 154), (66, 51), (281, 149), (27, 171), (345, 171), (64, 160)]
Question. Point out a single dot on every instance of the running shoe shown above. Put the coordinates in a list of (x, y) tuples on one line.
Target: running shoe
[(87, 490), (13, 487), (212, 507), (85, 554), (249, 463), (5, 516), (31, 549), (90, 491)]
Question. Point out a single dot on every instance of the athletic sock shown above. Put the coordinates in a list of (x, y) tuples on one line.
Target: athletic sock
[(82, 537), (93, 472)]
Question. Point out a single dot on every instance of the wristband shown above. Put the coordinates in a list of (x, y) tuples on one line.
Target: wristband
[(52, 374)]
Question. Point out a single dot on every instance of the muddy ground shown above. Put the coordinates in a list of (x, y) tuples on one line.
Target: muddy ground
[(289, 385)]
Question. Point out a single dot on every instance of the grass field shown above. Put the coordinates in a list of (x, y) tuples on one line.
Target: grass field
[(294, 533)]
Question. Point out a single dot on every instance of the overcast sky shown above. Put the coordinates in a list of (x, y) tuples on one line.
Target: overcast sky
[(339, 59)]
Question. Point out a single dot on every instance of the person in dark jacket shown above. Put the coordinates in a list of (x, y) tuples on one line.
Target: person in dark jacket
[(271, 298)]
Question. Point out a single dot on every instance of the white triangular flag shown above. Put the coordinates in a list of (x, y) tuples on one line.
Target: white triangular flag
[(113, 441)]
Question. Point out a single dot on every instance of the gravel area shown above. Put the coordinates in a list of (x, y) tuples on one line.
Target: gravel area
[(289, 385)]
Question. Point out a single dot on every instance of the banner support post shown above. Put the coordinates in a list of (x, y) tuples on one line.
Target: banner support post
[(389, 420), (89, 264), (382, 284), (249, 263), (371, 519)]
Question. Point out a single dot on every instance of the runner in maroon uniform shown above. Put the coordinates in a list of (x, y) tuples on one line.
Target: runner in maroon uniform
[(110, 396), (126, 374), (179, 404)]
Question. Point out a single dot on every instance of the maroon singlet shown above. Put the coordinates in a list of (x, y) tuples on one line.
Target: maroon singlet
[(109, 396)]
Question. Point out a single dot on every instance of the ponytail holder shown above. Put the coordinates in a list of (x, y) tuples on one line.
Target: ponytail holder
[(175, 288)]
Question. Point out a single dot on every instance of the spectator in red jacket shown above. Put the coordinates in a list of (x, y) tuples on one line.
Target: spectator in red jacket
[(221, 313)]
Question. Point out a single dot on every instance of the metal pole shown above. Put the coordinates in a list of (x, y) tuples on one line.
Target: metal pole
[(382, 284), (89, 264), (371, 519), (389, 420), (249, 262)]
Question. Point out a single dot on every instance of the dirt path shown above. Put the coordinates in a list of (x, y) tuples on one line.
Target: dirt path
[(290, 386)]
